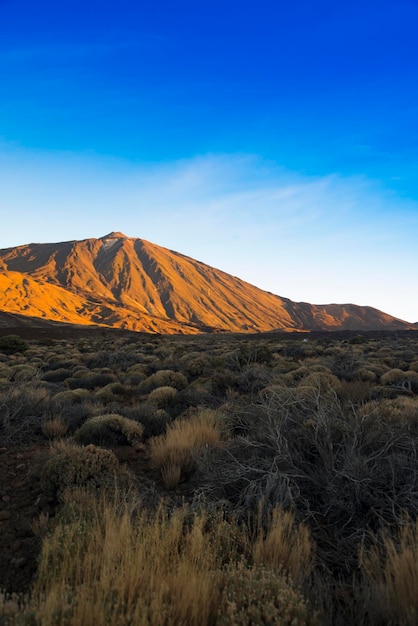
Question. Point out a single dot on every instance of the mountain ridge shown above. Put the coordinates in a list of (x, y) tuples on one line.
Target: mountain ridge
[(128, 282)]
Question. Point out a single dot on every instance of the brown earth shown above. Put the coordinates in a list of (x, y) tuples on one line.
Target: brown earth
[(22, 505), (130, 283)]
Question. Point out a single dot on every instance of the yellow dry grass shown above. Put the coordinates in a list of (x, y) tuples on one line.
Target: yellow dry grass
[(173, 453), (285, 544), (106, 563), (391, 572), (54, 427), (114, 571)]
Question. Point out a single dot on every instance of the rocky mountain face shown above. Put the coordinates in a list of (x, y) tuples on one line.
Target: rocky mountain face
[(126, 282)]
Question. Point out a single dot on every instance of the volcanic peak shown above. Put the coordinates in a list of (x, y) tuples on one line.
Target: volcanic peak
[(126, 282), (115, 234)]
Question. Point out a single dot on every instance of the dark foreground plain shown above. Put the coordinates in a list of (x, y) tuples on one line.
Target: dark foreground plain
[(212, 479)]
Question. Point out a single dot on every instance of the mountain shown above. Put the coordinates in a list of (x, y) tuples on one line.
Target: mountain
[(130, 283)]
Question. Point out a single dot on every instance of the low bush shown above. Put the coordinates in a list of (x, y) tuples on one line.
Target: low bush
[(110, 430), (57, 375), (163, 378), (10, 344), (73, 395), (23, 405), (153, 419), (102, 565), (112, 391), (260, 595), (162, 396), (92, 380), (72, 466)]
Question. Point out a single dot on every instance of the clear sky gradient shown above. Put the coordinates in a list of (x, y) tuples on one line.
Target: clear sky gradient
[(275, 140)]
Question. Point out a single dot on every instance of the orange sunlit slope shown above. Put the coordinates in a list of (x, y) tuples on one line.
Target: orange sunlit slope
[(130, 283)]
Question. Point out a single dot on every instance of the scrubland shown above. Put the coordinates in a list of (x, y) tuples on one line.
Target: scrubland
[(218, 480)]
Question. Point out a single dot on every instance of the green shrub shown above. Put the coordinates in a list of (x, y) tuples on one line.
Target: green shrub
[(72, 466), (91, 380), (153, 419), (253, 596), (23, 372), (57, 375), (162, 396), (407, 381), (73, 395), (110, 429), (163, 378), (112, 391), (9, 344)]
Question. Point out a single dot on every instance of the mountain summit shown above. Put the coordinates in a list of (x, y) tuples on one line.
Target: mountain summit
[(114, 235), (126, 282)]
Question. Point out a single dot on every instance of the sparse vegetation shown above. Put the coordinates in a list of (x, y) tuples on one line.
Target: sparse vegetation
[(249, 480)]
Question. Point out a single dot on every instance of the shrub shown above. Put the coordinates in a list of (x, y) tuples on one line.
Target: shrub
[(112, 391), (110, 429), (23, 372), (197, 365), (73, 395), (72, 466), (320, 383), (154, 420), (344, 364), (366, 375), (162, 396), (10, 344), (163, 378), (250, 354), (260, 595), (407, 381), (57, 375), (328, 462), (22, 407), (222, 382), (75, 413), (91, 380), (393, 377)]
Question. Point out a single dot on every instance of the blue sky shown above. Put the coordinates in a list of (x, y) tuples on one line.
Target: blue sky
[(277, 141)]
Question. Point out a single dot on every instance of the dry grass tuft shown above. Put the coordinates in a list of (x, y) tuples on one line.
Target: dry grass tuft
[(173, 453), (54, 428), (284, 544), (391, 572)]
